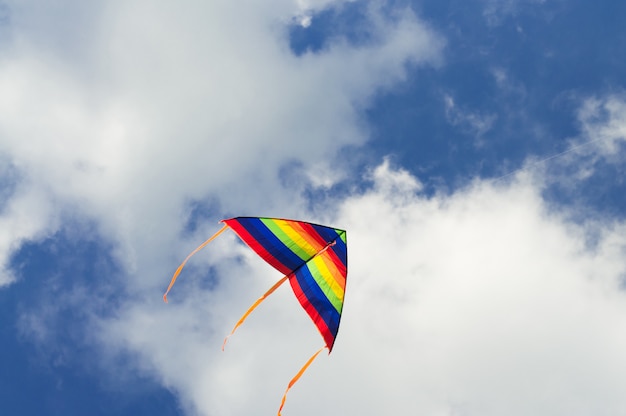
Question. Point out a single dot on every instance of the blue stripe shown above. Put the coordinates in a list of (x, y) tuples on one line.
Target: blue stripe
[(318, 299), (327, 233), (341, 250), (265, 237), (332, 234)]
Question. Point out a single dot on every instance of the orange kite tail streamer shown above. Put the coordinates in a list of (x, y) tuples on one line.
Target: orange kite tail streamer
[(180, 268), (297, 377), (253, 307)]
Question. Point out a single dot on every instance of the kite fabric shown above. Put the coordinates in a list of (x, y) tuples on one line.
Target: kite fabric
[(312, 257)]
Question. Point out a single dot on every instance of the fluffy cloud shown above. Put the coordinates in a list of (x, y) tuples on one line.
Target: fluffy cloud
[(472, 122), (598, 148), (496, 11), (25, 214), (603, 122), (483, 302), (135, 109), (486, 301)]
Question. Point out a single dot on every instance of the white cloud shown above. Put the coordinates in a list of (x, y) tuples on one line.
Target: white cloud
[(305, 21), (496, 11), (27, 215), (484, 302), (600, 144), (394, 181), (507, 84), (473, 122), (481, 302), (132, 109), (603, 122)]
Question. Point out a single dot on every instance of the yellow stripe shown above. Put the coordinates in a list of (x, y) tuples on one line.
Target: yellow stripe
[(287, 240), (325, 279), (328, 267), (297, 238), (298, 227)]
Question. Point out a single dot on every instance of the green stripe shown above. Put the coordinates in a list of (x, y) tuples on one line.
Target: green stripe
[(317, 275), (287, 241)]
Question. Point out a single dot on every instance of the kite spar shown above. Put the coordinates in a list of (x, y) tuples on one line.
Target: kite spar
[(312, 257)]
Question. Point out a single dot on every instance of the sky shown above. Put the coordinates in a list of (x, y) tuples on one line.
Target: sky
[(473, 150)]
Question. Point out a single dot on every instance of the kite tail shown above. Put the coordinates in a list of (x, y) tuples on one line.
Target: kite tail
[(253, 307), (180, 268), (297, 377)]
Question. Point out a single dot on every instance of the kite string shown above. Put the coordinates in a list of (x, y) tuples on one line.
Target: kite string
[(571, 149), (180, 268), (254, 305), (297, 377)]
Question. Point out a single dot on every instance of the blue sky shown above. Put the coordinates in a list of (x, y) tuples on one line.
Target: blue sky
[(473, 150)]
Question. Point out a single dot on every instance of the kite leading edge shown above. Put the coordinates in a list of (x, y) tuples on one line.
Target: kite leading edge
[(312, 257)]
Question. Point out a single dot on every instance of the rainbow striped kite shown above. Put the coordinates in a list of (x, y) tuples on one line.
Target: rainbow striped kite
[(312, 257)]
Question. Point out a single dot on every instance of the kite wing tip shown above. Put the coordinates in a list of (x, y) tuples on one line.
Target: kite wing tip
[(165, 298)]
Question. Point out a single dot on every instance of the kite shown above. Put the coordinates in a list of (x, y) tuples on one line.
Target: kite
[(312, 257)]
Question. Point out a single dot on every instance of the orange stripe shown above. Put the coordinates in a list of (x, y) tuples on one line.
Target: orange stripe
[(307, 235), (302, 246), (327, 282), (337, 273)]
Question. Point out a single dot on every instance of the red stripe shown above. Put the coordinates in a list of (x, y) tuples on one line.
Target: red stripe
[(254, 245), (337, 272), (335, 259), (312, 232), (308, 228), (308, 234), (313, 314)]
